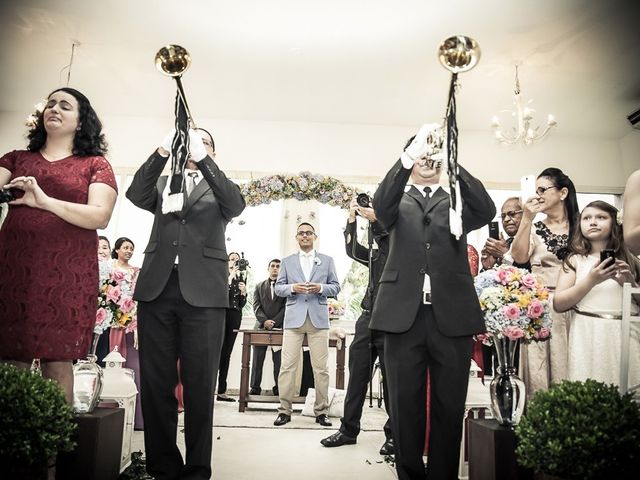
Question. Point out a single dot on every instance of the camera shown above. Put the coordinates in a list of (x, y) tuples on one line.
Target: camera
[(242, 263), (7, 195), (363, 200)]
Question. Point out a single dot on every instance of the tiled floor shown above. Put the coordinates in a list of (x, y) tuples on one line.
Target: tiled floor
[(255, 449)]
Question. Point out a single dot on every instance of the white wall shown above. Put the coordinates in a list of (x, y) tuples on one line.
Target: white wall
[(349, 151)]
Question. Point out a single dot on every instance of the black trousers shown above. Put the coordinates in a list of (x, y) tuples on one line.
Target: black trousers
[(259, 354), (408, 355), (366, 347), (233, 319), (170, 329)]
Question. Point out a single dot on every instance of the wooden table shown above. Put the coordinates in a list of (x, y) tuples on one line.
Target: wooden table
[(274, 338)]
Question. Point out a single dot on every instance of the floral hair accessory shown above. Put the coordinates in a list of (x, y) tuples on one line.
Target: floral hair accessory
[(515, 305)]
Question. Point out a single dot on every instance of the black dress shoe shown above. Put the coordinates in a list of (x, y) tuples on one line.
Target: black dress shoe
[(275, 391), (388, 448), (255, 391), (282, 419), (337, 440), (323, 420), (223, 397)]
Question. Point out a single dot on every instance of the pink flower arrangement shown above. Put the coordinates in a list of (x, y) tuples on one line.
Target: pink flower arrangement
[(116, 307), (515, 305)]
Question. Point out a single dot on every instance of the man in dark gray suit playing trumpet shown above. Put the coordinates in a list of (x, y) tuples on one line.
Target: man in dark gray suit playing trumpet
[(182, 294)]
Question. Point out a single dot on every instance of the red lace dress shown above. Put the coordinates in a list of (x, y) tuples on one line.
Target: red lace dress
[(48, 267)]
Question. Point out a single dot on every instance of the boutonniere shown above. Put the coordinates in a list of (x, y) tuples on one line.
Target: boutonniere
[(317, 261)]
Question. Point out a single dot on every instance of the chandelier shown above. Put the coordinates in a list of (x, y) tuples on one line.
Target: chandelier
[(523, 131)]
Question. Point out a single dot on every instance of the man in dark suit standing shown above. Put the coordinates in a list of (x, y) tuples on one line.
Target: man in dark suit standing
[(367, 345), (182, 296), (427, 305), (269, 311)]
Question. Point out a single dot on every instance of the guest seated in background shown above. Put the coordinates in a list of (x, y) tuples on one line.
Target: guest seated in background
[(367, 345), (494, 250), (631, 211), (545, 244), (306, 279), (591, 286), (233, 320), (269, 312), (63, 189)]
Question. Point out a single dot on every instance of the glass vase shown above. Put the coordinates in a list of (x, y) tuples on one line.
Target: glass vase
[(507, 389), (87, 381)]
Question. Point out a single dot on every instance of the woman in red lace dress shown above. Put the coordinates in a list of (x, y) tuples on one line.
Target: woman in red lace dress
[(65, 189)]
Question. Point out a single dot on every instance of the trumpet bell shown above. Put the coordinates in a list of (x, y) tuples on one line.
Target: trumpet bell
[(459, 53), (172, 60)]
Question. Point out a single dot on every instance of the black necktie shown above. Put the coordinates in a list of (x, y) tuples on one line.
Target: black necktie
[(427, 192)]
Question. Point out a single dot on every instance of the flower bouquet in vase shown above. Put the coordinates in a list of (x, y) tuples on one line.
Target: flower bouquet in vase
[(516, 308)]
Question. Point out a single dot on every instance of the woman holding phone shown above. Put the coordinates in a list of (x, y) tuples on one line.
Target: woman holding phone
[(545, 244), (590, 284)]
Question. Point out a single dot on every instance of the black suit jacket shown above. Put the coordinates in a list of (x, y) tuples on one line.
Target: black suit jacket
[(419, 242), (266, 308), (196, 234)]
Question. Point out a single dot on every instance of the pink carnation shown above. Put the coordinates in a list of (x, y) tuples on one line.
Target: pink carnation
[(101, 316), (536, 309), (513, 333), (511, 311), (542, 333), (117, 275), (528, 280), (126, 304), (113, 294)]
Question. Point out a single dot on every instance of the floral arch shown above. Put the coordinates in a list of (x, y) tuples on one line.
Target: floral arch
[(305, 186)]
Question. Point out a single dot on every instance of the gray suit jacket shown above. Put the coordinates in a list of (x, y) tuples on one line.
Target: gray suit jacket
[(300, 304), (196, 234)]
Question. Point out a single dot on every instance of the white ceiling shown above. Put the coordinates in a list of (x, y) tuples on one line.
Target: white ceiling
[(336, 61)]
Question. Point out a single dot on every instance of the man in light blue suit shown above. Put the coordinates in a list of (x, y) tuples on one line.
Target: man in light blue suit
[(306, 279)]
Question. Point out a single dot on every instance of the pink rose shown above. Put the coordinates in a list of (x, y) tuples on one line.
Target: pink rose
[(113, 294), (503, 276), (542, 333), (536, 309), (117, 275), (528, 280), (101, 316), (513, 333), (126, 304), (511, 311)]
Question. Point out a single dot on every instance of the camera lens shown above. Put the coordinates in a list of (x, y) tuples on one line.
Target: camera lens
[(363, 200)]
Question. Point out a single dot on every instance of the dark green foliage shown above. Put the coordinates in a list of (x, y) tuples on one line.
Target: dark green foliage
[(581, 430), (35, 421)]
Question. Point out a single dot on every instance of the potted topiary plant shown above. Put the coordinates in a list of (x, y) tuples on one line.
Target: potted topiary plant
[(581, 430), (36, 423)]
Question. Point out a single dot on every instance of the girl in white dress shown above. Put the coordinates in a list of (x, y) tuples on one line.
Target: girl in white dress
[(593, 290)]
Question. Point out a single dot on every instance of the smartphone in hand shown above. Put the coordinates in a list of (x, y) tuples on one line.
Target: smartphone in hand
[(527, 187), (494, 230), (606, 254)]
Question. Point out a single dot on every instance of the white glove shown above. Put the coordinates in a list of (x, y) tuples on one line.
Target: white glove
[(420, 147), (196, 146), (168, 140)]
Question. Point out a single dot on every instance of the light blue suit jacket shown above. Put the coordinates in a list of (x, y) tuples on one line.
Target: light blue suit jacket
[(301, 304)]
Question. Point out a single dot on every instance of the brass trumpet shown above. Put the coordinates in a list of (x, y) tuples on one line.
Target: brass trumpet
[(173, 61)]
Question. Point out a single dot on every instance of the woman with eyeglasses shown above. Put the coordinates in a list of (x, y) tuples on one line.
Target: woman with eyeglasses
[(545, 244)]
